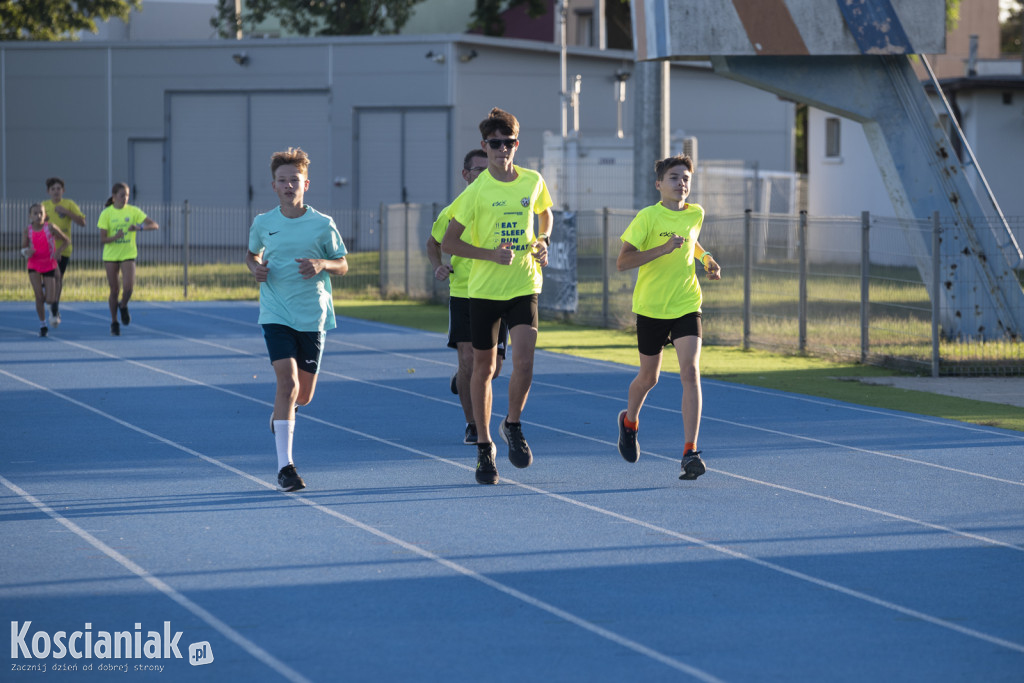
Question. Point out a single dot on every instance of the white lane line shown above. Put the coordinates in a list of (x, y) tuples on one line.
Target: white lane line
[(225, 630), (809, 494), (253, 649), (689, 539)]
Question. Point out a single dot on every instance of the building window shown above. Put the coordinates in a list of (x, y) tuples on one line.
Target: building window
[(585, 28), (832, 137)]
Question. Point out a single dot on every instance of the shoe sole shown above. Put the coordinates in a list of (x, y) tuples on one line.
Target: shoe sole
[(488, 481), (126, 318), (504, 437), (455, 387), (693, 470), (625, 456), (294, 487)]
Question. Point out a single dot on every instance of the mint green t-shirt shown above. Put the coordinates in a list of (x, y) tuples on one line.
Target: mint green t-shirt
[(286, 298), (113, 219), (666, 287), (495, 212)]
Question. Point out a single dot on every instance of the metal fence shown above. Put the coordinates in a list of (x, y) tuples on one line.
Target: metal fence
[(838, 287), (198, 252), (831, 286)]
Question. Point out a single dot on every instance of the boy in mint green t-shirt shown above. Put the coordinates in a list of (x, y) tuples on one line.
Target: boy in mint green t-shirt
[(662, 242), (293, 251)]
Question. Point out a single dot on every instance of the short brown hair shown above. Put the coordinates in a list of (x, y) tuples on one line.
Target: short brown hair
[(293, 156), (662, 167), (472, 154), (50, 182), (499, 121)]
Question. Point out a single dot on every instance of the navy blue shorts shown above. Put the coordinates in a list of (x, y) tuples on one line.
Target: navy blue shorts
[(307, 348), (654, 334)]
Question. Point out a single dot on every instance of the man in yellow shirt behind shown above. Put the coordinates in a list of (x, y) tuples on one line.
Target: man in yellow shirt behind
[(494, 224), (62, 213)]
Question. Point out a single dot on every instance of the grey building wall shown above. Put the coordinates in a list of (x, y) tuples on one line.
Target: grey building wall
[(382, 120)]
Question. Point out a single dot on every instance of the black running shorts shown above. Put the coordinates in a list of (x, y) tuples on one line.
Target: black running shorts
[(486, 316), (654, 334), (460, 329)]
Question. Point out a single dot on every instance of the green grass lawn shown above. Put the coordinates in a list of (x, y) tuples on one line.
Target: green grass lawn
[(799, 374)]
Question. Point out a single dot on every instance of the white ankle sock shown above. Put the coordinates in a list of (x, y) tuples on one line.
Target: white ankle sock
[(284, 432)]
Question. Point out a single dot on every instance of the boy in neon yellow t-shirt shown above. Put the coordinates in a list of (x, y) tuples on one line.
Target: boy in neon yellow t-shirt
[(662, 242), (457, 274), (494, 224), (61, 212)]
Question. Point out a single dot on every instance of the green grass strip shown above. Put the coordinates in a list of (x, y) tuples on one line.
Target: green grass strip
[(798, 374)]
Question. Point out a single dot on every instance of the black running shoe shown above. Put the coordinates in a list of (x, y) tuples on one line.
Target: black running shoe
[(486, 470), (115, 329), (289, 479), (471, 435), (126, 317), (518, 450), (693, 466), (629, 449), (43, 330), (454, 385)]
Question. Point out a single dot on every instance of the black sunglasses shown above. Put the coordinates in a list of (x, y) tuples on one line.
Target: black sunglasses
[(495, 143)]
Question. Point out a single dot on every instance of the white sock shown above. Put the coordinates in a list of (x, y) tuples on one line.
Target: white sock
[(284, 432)]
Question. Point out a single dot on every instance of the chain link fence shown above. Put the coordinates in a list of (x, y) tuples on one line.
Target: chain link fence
[(198, 253), (852, 288)]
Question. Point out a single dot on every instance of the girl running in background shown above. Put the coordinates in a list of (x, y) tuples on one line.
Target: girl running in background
[(39, 246), (120, 221)]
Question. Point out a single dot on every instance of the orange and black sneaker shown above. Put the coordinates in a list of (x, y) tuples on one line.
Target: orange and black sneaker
[(693, 466), (629, 448)]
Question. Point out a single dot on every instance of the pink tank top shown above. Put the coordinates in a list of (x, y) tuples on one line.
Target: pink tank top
[(42, 260)]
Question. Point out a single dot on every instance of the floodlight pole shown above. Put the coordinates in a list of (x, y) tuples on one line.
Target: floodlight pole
[(650, 127), (561, 12)]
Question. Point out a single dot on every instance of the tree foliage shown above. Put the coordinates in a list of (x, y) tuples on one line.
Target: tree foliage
[(317, 17), (58, 19), (486, 16), (1011, 31)]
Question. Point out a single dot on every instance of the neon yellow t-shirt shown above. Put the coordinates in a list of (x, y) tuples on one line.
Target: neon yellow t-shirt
[(494, 213), (458, 281), (113, 219), (666, 287), (62, 222)]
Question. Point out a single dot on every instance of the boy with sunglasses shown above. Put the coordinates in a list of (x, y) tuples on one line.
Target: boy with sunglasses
[(494, 224), (662, 242), (457, 274)]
